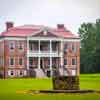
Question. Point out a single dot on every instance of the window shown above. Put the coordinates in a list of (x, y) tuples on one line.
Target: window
[(12, 73), (20, 61), (73, 61), (65, 61), (11, 45), (65, 47), (31, 61), (11, 62), (20, 46), (73, 48)]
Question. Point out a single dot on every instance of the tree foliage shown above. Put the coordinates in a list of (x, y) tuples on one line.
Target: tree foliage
[(90, 47)]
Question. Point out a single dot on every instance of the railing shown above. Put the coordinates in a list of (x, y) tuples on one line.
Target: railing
[(43, 53)]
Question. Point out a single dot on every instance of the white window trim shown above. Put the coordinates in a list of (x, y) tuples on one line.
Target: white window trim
[(10, 62)]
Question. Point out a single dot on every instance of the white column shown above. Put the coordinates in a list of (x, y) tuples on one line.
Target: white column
[(39, 46), (50, 63), (50, 46), (38, 62), (39, 56), (51, 57), (61, 53), (27, 54)]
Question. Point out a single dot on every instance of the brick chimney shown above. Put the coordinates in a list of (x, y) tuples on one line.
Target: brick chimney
[(60, 26), (9, 25)]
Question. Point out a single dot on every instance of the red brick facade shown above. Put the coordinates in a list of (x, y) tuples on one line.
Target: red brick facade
[(24, 63)]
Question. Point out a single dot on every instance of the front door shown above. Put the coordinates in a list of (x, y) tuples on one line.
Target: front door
[(48, 73)]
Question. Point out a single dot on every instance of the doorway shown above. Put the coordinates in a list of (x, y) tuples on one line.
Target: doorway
[(41, 63), (48, 73)]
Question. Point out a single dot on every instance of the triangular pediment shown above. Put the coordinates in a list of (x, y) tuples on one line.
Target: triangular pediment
[(44, 33), (48, 34)]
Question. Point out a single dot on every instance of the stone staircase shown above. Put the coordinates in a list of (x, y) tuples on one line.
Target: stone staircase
[(39, 73), (63, 72)]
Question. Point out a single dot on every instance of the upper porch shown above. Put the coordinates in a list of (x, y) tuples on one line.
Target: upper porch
[(44, 48)]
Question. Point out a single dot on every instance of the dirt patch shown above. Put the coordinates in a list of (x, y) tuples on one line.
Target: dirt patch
[(22, 91)]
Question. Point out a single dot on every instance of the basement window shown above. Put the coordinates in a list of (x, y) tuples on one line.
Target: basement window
[(21, 72), (12, 73)]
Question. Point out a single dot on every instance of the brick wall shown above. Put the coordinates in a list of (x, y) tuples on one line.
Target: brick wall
[(16, 54), (70, 54)]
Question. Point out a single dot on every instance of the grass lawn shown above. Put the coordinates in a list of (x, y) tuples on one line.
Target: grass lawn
[(9, 89)]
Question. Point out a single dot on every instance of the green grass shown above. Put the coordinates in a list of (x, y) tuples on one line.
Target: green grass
[(9, 87)]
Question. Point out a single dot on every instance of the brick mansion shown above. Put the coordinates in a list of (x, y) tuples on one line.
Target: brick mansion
[(37, 50)]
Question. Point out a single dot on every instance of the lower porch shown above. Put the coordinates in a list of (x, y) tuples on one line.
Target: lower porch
[(44, 62), (49, 66), (43, 66)]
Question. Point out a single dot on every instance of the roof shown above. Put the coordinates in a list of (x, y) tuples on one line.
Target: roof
[(27, 30)]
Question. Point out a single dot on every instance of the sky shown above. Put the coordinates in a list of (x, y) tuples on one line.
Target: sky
[(72, 13)]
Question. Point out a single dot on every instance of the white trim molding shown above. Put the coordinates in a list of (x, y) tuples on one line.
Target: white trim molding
[(42, 38)]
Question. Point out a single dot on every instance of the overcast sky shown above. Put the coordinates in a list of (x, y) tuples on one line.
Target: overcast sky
[(49, 12)]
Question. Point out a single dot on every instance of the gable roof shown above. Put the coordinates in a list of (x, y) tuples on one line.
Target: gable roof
[(35, 30)]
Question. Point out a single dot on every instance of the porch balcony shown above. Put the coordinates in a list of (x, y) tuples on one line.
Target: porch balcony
[(43, 49)]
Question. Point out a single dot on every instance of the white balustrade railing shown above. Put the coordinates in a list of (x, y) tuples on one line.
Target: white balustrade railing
[(31, 53)]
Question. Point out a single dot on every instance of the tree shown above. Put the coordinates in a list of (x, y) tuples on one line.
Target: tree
[(98, 44), (87, 32)]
